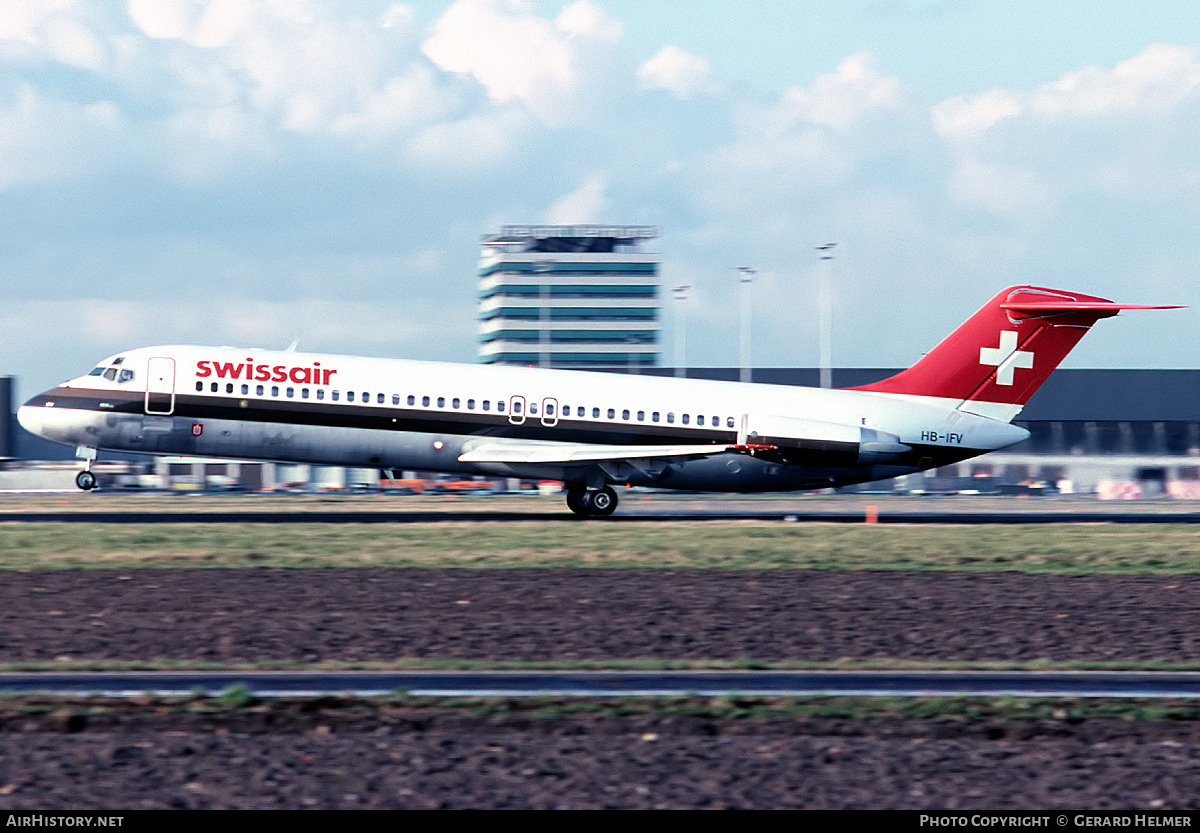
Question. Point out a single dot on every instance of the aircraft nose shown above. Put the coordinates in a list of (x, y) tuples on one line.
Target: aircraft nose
[(30, 417)]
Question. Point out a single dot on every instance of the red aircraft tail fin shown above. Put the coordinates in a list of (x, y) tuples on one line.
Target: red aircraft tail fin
[(1004, 352)]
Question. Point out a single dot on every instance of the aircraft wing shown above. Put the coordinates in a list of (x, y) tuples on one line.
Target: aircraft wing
[(579, 453)]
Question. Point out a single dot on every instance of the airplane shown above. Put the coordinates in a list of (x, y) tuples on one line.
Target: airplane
[(589, 430)]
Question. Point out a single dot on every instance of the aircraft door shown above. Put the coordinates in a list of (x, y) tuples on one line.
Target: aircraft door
[(549, 412), (160, 385), (516, 409)]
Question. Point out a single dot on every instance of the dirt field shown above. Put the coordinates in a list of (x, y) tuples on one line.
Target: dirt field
[(390, 756)]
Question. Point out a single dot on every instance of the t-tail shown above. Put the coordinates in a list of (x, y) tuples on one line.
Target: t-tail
[(995, 361)]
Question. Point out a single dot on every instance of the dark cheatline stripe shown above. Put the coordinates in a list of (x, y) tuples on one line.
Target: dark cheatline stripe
[(392, 418)]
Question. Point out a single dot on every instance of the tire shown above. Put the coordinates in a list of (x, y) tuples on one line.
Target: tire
[(603, 502), (85, 480), (579, 500)]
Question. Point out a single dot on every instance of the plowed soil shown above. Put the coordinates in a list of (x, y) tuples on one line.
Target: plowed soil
[(282, 755)]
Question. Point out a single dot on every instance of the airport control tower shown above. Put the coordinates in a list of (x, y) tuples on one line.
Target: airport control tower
[(570, 297)]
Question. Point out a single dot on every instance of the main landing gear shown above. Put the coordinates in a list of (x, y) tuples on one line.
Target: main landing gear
[(595, 503), (85, 480)]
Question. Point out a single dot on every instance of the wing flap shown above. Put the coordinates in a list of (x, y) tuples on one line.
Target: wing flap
[(580, 454)]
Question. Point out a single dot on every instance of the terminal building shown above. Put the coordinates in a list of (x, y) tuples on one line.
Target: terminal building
[(584, 297)]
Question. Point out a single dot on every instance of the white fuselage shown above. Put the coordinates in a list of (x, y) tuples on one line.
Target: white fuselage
[(393, 414)]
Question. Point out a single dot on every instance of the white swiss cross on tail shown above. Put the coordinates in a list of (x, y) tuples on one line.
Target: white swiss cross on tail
[(1006, 357)]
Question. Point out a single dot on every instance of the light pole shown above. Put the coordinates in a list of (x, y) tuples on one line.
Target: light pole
[(680, 293), (746, 276), (825, 323)]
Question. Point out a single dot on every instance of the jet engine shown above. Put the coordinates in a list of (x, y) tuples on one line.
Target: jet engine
[(799, 441)]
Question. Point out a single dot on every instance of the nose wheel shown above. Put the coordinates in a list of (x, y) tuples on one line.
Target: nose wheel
[(85, 480), (591, 503)]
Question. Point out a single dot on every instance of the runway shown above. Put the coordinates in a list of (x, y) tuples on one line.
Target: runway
[(637, 506), (700, 515), (803, 683)]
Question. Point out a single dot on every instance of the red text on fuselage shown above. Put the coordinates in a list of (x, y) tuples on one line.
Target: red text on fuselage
[(248, 370)]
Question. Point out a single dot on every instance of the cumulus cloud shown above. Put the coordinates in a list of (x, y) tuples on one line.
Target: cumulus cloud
[(679, 72), (840, 99), (517, 56), (65, 31), (1157, 79), (586, 204), (43, 138), (1129, 131), (813, 136)]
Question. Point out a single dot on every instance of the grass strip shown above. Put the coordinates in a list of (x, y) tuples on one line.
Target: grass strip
[(1032, 548)]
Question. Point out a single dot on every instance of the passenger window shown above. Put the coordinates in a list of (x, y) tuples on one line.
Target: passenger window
[(213, 387), (395, 399), (245, 390), (580, 411), (729, 422), (379, 399), (624, 414), (412, 400), (533, 408), (349, 396), (500, 406), (654, 417), (258, 390), (487, 404), (454, 402), (595, 413), (199, 386), (291, 393), (516, 409), (333, 394), (320, 393), (229, 387), (549, 409), (274, 390), (366, 398), (441, 402), (641, 416), (670, 417), (470, 404), (425, 401), (304, 393), (684, 419)]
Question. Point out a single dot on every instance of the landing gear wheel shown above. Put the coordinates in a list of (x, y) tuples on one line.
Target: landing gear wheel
[(603, 502), (591, 503), (578, 500), (85, 480)]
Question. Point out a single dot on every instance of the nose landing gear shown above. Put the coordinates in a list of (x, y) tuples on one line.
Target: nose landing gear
[(595, 503), (85, 480)]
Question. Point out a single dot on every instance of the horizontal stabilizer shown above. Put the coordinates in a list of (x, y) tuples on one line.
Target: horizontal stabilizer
[(1105, 309)]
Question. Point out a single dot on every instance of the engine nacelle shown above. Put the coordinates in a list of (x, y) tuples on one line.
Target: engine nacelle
[(810, 441)]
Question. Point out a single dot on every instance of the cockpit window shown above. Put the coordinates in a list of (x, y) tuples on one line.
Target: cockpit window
[(118, 360), (110, 374), (96, 371), (126, 376)]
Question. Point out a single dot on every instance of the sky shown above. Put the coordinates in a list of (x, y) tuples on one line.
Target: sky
[(255, 173)]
